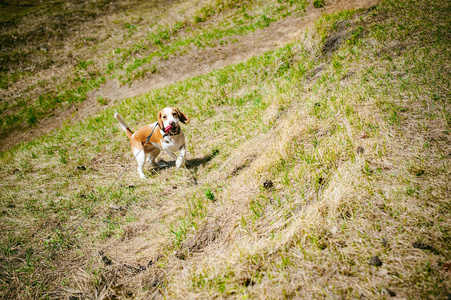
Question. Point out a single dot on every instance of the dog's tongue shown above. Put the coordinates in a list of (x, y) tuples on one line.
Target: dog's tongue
[(168, 128)]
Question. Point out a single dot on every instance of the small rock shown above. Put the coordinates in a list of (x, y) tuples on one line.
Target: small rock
[(420, 245), (105, 259), (268, 184), (142, 268), (131, 186), (423, 246), (130, 269), (174, 187), (317, 104), (180, 255), (375, 261), (81, 168), (360, 150), (246, 281), (391, 293), (128, 294), (341, 244)]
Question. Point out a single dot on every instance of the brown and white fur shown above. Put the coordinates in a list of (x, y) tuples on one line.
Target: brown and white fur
[(173, 140)]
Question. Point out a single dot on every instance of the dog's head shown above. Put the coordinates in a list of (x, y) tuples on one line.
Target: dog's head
[(169, 118)]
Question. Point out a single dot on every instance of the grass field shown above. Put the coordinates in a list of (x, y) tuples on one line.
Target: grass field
[(320, 169), (55, 54)]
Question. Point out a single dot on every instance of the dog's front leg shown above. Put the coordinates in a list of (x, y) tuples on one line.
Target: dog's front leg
[(181, 158), (171, 154)]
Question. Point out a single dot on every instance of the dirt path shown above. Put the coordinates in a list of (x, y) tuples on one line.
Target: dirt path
[(196, 62), (201, 61)]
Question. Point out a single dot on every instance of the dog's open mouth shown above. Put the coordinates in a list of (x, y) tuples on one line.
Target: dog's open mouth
[(170, 128)]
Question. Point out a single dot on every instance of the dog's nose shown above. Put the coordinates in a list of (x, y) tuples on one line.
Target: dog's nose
[(172, 123)]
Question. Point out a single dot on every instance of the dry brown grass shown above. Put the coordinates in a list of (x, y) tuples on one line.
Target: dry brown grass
[(357, 150), (366, 208)]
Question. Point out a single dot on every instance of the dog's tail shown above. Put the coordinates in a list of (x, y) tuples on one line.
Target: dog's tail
[(123, 125)]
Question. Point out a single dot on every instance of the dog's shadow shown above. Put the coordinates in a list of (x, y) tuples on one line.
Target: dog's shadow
[(189, 163)]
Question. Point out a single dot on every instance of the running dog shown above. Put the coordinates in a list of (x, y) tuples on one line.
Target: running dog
[(150, 139)]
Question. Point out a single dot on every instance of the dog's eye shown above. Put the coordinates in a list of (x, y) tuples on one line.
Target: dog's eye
[(164, 117), (173, 114)]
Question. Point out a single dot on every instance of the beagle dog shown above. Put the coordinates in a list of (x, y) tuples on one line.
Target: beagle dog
[(165, 135)]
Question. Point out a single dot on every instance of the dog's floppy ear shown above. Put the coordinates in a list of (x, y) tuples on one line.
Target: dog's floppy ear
[(182, 117), (160, 120)]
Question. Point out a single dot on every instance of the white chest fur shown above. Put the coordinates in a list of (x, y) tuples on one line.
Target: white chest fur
[(173, 143)]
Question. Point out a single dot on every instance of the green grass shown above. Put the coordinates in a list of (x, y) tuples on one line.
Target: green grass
[(358, 155), (242, 23), (171, 39)]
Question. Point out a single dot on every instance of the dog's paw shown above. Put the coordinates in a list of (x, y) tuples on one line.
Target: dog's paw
[(179, 162), (141, 174)]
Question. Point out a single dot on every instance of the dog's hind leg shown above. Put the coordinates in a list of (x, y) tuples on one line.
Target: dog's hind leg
[(152, 157), (140, 157)]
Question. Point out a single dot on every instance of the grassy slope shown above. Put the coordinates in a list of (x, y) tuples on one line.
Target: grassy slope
[(57, 68), (355, 141)]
